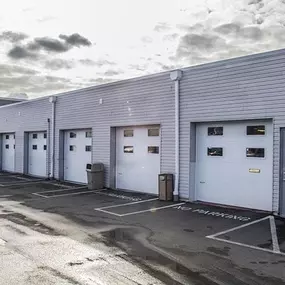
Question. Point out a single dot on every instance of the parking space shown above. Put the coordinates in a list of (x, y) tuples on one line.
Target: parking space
[(224, 226), (7, 179)]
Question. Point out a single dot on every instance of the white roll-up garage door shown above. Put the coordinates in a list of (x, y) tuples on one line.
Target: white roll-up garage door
[(77, 154), (8, 152), (37, 160), (138, 159), (234, 164)]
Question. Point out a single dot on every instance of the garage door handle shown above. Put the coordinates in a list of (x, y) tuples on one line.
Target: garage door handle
[(120, 173), (202, 182)]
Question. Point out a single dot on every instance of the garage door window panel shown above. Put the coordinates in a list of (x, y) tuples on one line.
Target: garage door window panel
[(215, 131), (153, 149), (128, 149), (88, 134), (35, 136), (128, 133), (215, 151), (35, 147), (7, 146), (153, 132), (255, 152), (88, 148), (7, 137), (72, 135), (255, 130)]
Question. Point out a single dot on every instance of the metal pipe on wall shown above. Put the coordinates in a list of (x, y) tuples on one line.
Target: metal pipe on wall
[(175, 76), (52, 100)]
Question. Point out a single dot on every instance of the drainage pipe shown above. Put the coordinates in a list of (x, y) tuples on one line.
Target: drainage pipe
[(52, 100), (175, 76)]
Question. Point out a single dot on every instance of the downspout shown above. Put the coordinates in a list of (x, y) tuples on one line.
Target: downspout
[(175, 76), (52, 100)]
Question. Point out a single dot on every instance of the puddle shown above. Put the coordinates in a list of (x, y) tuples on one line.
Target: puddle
[(124, 238)]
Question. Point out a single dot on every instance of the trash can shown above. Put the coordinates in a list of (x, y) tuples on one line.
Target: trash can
[(165, 186), (95, 176)]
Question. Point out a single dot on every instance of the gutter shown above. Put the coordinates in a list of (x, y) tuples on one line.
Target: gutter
[(52, 100), (176, 76)]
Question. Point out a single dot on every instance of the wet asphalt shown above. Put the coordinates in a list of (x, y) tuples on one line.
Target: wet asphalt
[(159, 235)]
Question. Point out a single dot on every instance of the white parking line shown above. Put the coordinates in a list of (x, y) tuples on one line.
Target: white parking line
[(22, 183), (126, 204), (103, 209), (275, 242), (274, 238), (67, 194), (151, 210)]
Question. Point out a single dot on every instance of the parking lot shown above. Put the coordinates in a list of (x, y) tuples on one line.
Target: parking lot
[(202, 243)]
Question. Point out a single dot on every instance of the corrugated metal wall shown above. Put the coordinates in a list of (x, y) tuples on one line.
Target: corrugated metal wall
[(24, 117), (251, 87), (141, 101)]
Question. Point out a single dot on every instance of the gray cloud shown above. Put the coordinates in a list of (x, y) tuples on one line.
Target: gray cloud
[(139, 67), (39, 85), (231, 28), (162, 27), (48, 44), (12, 37), (57, 64), (203, 43), (111, 72), (235, 29), (75, 40), (100, 80), (18, 96), (12, 70), (254, 2), (19, 52), (99, 63)]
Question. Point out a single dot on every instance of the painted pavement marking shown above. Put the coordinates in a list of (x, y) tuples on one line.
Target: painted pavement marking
[(274, 236), (275, 242), (106, 208), (213, 213), (22, 182), (41, 194)]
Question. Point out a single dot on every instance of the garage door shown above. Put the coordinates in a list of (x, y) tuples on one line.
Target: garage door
[(234, 164), (138, 159), (77, 153), (8, 152), (37, 159)]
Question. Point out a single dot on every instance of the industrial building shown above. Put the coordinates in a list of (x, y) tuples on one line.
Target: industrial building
[(218, 127)]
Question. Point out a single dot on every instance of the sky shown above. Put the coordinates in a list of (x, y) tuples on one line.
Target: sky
[(48, 47)]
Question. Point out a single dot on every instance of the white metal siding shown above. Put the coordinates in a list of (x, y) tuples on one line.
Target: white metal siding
[(24, 117), (252, 87), (141, 101)]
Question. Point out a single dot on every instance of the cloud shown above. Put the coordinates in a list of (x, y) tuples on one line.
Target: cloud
[(75, 40), (111, 72), (162, 27), (12, 70), (57, 64), (171, 37), (36, 85), (191, 43), (251, 2), (19, 52), (98, 63), (12, 37), (18, 96), (48, 44)]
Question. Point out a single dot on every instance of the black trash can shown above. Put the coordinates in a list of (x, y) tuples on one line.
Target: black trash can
[(165, 186)]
